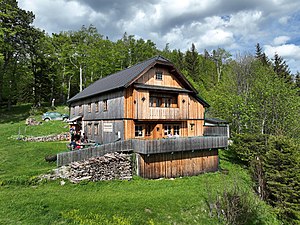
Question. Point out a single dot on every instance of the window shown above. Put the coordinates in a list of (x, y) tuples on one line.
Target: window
[(167, 102), (167, 130), (96, 129), (148, 130), (89, 107), (80, 109), (151, 102), (158, 102), (158, 75), (73, 110), (96, 106), (89, 129), (105, 105), (138, 131), (176, 130)]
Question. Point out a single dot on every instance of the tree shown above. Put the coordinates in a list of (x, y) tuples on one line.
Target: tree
[(192, 63), (220, 57), (281, 68), (14, 26), (261, 56), (282, 166)]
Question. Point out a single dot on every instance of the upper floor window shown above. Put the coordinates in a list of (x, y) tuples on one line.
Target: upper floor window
[(96, 106), (158, 75), (163, 100), (105, 105), (80, 109), (73, 110), (167, 102), (96, 129), (89, 107)]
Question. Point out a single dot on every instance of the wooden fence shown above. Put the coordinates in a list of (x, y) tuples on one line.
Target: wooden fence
[(146, 147), (216, 131)]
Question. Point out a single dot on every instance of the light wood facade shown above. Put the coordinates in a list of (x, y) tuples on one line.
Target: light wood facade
[(156, 103)]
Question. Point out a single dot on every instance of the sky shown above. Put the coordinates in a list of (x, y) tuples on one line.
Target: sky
[(235, 25)]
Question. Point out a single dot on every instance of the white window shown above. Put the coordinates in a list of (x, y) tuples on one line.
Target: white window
[(167, 130), (138, 131), (176, 130), (158, 75)]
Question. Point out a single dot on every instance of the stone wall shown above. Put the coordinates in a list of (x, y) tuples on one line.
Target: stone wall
[(55, 137)]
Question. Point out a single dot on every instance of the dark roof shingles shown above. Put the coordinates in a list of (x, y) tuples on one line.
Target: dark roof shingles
[(117, 80)]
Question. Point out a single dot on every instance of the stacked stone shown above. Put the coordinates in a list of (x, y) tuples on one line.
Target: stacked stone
[(111, 166)]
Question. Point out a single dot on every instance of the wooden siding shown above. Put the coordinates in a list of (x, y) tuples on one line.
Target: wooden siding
[(115, 107), (179, 144), (104, 136), (168, 79), (187, 108), (177, 164)]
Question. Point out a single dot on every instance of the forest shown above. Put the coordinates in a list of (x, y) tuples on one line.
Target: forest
[(257, 95)]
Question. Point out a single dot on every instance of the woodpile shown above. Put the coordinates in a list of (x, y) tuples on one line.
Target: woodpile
[(55, 137), (111, 166)]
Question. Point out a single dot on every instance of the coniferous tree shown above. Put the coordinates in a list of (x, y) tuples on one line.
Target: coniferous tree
[(282, 166), (281, 69), (192, 63), (260, 55)]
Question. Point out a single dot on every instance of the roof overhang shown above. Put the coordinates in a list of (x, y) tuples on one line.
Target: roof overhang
[(74, 119), (161, 88)]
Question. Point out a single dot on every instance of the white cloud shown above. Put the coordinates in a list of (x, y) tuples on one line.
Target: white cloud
[(281, 40), (216, 37), (233, 25), (289, 52)]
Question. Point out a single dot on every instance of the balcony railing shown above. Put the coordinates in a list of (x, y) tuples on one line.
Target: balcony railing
[(161, 113), (179, 144), (146, 147)]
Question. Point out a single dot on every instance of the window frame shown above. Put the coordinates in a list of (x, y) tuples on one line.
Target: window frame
[(105, 105), (158, 75), (96, 106), (138, 131)]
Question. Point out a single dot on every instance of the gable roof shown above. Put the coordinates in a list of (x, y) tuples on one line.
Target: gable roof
[(125, 78)]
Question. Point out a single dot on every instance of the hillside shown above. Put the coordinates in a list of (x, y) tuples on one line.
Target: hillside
[(26, 200)]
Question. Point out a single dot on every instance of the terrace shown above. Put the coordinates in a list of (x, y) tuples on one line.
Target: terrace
[(148, 147)]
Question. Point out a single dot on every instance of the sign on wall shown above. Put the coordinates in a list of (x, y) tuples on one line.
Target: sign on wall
[(108, 127)]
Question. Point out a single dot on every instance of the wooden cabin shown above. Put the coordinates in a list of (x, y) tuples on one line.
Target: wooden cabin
[(154, 104)]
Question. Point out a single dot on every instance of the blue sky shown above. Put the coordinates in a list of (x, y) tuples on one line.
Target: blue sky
[(235, 25)]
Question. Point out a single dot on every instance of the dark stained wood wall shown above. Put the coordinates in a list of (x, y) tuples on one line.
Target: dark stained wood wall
[(177, 164)]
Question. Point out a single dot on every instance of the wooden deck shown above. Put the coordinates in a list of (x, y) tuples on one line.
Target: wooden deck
[(145, 147)]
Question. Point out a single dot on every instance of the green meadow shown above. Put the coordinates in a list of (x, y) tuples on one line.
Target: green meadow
[(25, 199)]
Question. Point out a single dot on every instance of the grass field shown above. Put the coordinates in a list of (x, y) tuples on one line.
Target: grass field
[(139, 201)]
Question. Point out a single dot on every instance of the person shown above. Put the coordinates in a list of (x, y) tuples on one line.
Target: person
[(84, 138)]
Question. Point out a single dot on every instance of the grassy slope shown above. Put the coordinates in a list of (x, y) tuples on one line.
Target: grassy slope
[(180, 201)]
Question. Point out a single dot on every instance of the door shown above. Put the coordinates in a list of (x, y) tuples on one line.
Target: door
[(157, 131)]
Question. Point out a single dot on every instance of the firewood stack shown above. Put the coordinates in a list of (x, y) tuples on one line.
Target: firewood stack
[(108, 167)]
